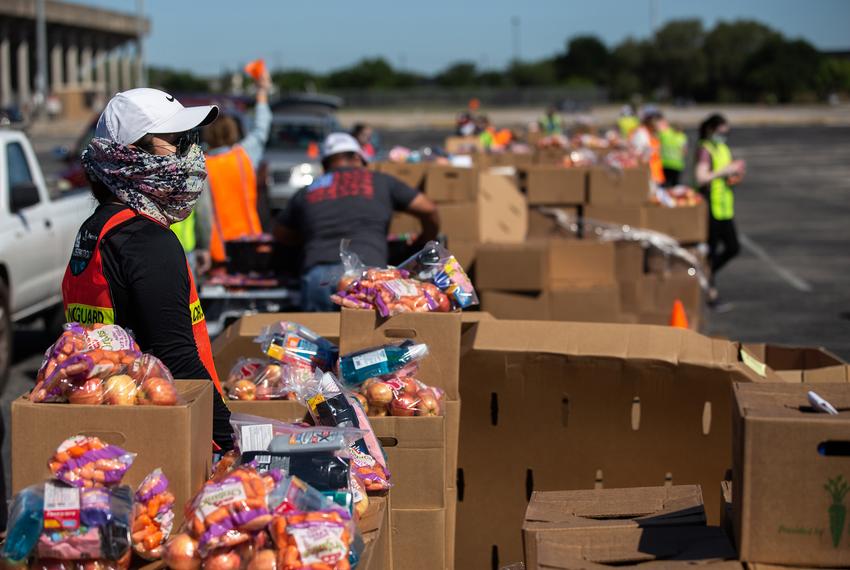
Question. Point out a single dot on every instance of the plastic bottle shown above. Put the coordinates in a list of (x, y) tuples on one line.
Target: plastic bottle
[(357, 367), (26, 520)]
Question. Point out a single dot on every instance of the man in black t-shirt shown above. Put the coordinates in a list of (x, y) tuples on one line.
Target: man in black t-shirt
[(347, 202)]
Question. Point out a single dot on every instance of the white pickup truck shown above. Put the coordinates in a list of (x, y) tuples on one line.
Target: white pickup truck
[(36, 237)]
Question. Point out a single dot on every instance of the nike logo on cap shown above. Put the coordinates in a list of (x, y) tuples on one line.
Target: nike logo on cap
[(170, 98)]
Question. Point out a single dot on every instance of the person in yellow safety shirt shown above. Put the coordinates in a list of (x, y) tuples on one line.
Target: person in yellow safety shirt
[(716, 174), (194, 235), (644, 139), (627, 121), (486, 132), (231, 165), (551, 123), (674, 148)]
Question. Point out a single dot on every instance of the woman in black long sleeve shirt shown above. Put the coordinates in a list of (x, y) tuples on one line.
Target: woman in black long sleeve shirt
[(127, 266)]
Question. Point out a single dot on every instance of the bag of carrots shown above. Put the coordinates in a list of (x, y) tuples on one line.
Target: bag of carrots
[(317, 540), (153, 516)]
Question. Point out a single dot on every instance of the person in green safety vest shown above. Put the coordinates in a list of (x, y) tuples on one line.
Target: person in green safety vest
[(551, 123), (627, 121), (674, 148), (194, 234), (716, 175)]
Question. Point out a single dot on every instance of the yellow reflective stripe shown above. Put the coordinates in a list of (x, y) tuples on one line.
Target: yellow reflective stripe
[(89, 315), (197, 312)]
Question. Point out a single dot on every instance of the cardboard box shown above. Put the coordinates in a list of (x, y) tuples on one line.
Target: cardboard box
[(412, 174), (580, 406), (555, 515), (554, 185), (503, 159), (800, 364), (404, 223), (237, 340), (790, 475), (726, 512), (498, 214), (423, 539), (177, 439), (667, 547), (686, 224), (544, 264), (374, 526), (659, 263), (595, 303), (629, 260), (624, 187), (462, 145), (445, 183), (545, 226), (550, 155)]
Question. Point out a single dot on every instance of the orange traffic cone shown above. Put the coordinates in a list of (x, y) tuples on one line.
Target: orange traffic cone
[(679, 318), (255, 68)]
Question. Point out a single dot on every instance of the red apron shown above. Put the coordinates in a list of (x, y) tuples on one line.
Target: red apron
[(87, 300)]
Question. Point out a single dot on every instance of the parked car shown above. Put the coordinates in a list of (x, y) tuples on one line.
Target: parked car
[(37, 234), (299, 125)]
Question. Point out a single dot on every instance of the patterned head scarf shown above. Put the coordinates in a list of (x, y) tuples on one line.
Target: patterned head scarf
[(164, 188)]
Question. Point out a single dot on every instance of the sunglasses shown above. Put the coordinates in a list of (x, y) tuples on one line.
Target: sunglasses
[(182, 143)]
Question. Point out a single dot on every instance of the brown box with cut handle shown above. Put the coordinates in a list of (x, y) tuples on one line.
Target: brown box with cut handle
[(177, 439)]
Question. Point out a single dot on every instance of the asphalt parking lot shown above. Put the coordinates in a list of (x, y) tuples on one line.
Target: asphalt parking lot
[(791, 284)]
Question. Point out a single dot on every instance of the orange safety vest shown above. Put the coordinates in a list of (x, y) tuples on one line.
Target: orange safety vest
[(234, 197), (87, 300), (656, 166)]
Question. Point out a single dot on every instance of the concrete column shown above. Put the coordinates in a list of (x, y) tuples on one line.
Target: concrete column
[(86, 64), (114, 83), (72, 62), (5, 68), (57, 67), (24, 90), (126, 70), (100, 69), (139, 65)]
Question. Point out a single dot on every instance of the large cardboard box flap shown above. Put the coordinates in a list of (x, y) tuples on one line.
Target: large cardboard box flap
[(790, 475), (799, 364), (412, 174), (503, 212), (634, 545), (631, 507)]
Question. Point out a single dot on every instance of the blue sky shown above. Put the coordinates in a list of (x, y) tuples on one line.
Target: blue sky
[(425, 35)]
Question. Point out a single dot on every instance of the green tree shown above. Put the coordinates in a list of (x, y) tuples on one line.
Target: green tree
[(727, 48), (586, 57), (366, 74), (460, 74), (177, 81), (782, 71), (628, 65), (678, 61), (833, 76), (296, 80), (531, 74)]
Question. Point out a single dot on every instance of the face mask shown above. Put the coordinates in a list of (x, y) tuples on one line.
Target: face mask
[(718, 138), (164, 188)]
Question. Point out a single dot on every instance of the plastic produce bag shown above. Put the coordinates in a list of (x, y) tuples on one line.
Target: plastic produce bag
[(357, 367), (402, 394), (290, 343), (435, 265), (80, 354), (314, 540), (329, 405), (256, 379), (83, 461), (153, 516)]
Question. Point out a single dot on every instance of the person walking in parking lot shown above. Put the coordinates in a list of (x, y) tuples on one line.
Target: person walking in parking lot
[(716, 174), (127, 267), (231, 173), (347, 202)]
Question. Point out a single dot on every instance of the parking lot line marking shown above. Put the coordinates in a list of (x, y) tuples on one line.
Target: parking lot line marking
[(786, 274)]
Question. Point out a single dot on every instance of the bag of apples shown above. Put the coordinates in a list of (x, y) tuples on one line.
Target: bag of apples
[(256, 379), (401, 394)]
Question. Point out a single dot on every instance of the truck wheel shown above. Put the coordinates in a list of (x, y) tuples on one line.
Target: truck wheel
[(5, 335)]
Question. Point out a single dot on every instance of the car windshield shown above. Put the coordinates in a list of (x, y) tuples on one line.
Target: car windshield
[(289, 136)]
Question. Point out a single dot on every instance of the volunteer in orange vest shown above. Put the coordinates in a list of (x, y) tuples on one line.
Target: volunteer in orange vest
[(645, 141), (127, 267), (231, 173)]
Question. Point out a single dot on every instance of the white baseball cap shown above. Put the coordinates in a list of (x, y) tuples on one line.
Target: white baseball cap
[(338, 143), (132, 114)]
